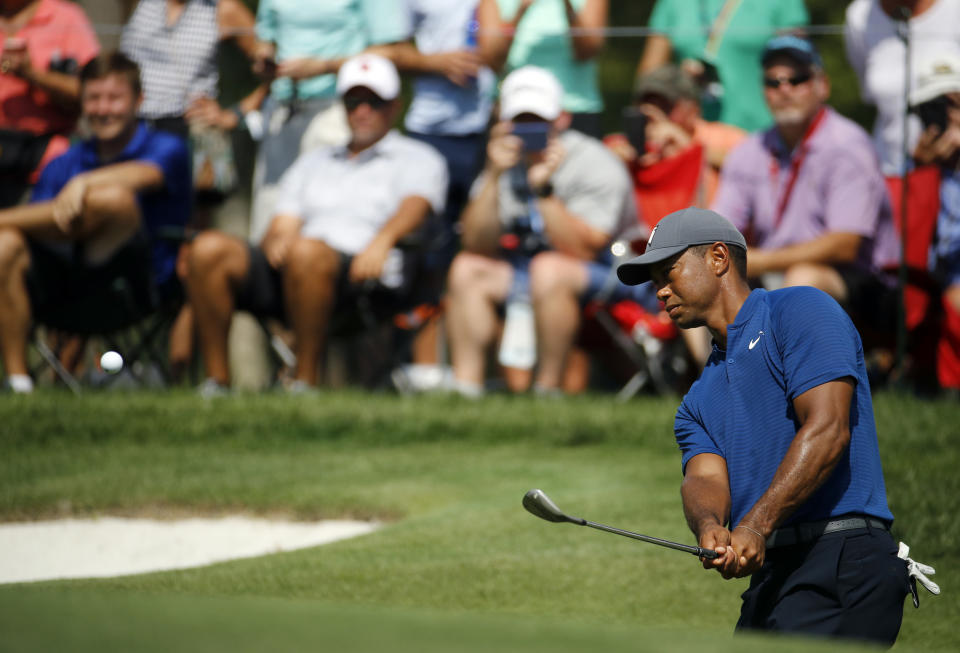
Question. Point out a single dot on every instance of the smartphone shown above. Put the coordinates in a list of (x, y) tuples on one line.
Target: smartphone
[(635, 127), (934, 112), (533, 134)]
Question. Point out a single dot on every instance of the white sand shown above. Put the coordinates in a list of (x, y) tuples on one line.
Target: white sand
[(112, 546)]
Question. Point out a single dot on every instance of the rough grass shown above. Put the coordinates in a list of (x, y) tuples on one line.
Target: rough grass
[(447, 475)]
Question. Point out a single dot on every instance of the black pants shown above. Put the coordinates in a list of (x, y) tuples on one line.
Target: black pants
[(849, 585)]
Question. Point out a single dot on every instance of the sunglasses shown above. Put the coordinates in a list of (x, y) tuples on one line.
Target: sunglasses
[(796, 80), (352, 102)]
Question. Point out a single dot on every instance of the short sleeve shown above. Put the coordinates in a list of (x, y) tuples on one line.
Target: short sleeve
[(266, 25), (425, 175), (691, 436), (53, 178), (291, 186), (792, 13), (169, 153), (601, 194), (854, 193), (816, 340), (387, 21), (735, 191), (663, 18)]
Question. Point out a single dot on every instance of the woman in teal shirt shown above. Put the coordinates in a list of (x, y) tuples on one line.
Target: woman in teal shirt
[(730, 34)]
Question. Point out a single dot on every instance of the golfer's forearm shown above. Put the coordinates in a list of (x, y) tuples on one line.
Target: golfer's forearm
[(809, 462), (706, 502)]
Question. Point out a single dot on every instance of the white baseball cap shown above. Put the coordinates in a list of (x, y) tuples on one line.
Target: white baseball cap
[(369, 71), (938, 75), (530, 90)]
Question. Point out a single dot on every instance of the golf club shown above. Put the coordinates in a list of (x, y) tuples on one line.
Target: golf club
[(539, 504)]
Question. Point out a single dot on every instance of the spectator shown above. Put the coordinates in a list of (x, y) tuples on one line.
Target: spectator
[(680, 158), (809, 193), (46, 43), (95, 215), (450, 110), (302, 45), (562, 36), (937, 99), (174, 42), (720, 42), (566, 194), (876, 52), (342, 211)]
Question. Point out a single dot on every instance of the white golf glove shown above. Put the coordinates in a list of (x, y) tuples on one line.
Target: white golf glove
[(918, 572)]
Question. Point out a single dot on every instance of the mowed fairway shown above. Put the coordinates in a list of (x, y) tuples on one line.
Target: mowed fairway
[(459, 564)]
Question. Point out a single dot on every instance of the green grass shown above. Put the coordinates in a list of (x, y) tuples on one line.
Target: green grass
[(447, 476)]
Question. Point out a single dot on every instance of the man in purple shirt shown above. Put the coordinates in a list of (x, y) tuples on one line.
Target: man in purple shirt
[(808, 192)]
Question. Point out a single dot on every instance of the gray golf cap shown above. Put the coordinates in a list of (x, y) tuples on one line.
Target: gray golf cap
[(675, 233)]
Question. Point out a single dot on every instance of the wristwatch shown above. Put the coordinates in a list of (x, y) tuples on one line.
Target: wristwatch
[(544, 191)]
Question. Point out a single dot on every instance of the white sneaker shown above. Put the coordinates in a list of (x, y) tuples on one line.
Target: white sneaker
[(211, 388)]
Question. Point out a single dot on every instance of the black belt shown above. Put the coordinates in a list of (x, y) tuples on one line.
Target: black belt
[(809, 531)]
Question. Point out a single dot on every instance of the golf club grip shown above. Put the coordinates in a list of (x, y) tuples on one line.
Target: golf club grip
[(710, 554)]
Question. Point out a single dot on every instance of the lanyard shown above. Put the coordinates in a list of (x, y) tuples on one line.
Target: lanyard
[(796, 162), (718, 26)]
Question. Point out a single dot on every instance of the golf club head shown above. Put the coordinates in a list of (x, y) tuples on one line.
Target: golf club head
[(538, 503)]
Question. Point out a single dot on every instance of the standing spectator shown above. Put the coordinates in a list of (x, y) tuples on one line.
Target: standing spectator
[(46, 43), (809, 194), (450, 110), (937, 100), (876, 52), (174, 42), (720, 42), (95, 215), (535, 232), (340, 215), (302, 45), (562, 36)]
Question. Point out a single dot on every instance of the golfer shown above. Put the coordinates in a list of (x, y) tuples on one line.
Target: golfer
[(781, 468)]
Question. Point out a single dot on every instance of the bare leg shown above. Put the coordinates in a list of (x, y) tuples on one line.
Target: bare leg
[(556, 284), (475, 287), (217, 264), (309, 290), (15, 314)]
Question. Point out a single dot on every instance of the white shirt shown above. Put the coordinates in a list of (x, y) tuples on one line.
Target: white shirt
[(877, 55), (345, 201)]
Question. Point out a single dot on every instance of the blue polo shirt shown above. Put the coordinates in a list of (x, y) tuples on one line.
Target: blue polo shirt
[(782, 344), (168, 206)]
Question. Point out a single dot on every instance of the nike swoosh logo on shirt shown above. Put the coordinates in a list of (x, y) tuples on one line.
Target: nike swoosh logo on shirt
[(753, 343)]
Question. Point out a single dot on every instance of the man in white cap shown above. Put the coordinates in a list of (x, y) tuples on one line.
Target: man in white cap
[(936, 98), (536, 230), (341, 212)]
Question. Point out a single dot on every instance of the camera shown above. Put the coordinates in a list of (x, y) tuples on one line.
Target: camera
[(933, 112), (635, 128), (533, 134)]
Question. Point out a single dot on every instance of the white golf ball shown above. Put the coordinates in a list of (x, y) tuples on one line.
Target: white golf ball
[(111, 362)]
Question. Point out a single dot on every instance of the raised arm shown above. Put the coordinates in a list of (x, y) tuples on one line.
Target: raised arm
[(495, 35)]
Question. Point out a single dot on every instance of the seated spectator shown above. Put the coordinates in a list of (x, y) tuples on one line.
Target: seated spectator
[(562, 36), (720, 42), (936, 99), (809, 193), (341, 213), (301, 46), (95, 215), (46, 44), (537, 229), (680, 158)]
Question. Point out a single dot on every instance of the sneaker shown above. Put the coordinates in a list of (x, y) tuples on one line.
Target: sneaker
[(19, 384), (211, 389), (298, 387)]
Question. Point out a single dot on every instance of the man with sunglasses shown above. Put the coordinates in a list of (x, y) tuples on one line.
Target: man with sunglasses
[(809, 195), (341, 212)]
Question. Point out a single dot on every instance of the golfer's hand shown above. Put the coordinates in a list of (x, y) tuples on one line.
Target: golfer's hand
[(68, 204), (718, 538), (751, 550)]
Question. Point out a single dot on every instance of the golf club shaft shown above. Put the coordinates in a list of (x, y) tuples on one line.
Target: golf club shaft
[(695, 550)]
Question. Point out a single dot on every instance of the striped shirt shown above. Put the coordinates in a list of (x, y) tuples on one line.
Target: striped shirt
[(177, 62)]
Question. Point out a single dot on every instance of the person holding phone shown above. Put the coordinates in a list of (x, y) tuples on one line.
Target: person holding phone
[(936, 99), (540, 219)]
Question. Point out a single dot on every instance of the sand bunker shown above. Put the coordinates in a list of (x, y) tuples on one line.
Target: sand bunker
[(113, 546)]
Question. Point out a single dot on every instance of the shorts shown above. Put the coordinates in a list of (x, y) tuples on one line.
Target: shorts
[(261, 292), (68, 293), (847, 584)]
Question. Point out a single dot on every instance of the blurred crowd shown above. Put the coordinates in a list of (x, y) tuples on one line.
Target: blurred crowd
[(442, 167)]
